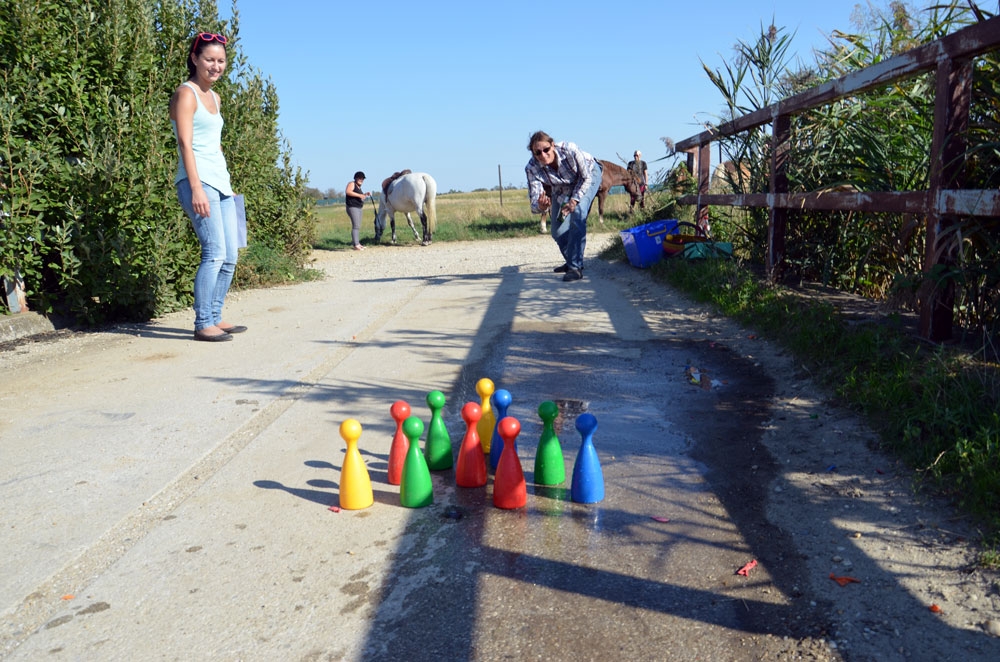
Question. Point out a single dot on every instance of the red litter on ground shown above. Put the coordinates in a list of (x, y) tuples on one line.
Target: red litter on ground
[(844, 581), (335, 509), (745, 570), (659, 519)]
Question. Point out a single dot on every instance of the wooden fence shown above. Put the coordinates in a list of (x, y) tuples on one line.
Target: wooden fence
[(951, 58)]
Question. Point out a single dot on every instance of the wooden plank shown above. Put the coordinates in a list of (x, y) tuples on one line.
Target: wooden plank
[(968, 202)]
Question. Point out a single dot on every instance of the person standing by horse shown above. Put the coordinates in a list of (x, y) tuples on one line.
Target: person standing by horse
[(203, 186), (639, 172), (563, 179), (355, 202)]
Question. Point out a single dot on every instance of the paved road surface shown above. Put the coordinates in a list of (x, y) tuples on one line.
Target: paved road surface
[(169, 500)]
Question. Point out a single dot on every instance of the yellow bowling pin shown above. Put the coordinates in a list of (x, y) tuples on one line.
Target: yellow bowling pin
[(484, 428), (355, 483)]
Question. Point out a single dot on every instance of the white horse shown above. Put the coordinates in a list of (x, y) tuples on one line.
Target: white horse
[(415, 191)]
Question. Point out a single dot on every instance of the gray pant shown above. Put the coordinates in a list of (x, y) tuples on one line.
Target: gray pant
[(355, 214)]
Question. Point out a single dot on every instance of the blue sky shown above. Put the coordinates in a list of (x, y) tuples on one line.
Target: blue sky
[(456, 88)]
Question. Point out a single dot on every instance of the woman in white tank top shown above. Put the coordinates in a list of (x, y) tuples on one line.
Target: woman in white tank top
[(203, 187)]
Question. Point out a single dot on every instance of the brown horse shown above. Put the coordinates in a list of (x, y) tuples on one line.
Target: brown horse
[(615, 175)]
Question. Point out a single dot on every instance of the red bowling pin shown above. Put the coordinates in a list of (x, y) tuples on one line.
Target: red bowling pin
[(399, 411), (509, 488), (470, 471)]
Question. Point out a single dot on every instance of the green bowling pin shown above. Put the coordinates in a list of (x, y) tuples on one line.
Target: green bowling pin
[(550, 469), (438, 447), (415, 488)]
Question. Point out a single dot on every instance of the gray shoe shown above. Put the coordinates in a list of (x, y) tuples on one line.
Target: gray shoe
[(221, 337), (572, 274)]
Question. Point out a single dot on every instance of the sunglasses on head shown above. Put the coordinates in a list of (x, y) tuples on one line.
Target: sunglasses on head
[(539, 152), (209, 37)]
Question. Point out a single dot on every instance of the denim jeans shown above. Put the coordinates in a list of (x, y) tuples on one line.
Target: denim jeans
[(219, 251), (570, 232)]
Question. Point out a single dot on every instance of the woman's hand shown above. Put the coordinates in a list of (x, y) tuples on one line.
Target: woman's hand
[(544, 203), (199, 202)]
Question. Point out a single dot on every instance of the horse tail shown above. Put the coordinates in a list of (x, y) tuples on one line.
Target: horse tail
[(429, 201)]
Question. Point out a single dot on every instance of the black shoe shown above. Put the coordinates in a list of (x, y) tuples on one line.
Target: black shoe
[(234, 329), (561, 270), (222, 337), (573, 274)]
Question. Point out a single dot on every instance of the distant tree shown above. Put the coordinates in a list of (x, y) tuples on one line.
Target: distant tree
[(310, 192), (333, 193)]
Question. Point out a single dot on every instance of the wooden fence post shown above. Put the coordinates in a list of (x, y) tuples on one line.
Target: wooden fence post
[(778, 216), (951, 121), (704, 182)]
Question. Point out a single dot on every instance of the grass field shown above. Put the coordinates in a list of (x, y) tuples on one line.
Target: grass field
[(461, 216)]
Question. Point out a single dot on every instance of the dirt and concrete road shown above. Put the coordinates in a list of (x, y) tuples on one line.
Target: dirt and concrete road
[(169, 500)]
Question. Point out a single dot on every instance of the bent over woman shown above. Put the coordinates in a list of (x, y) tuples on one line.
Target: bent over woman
[(564, 179)]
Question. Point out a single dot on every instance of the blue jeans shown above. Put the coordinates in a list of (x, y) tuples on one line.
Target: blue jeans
[(219, 251), (570, 233)]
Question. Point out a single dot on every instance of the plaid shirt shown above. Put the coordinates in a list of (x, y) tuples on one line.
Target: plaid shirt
[(573, 173)]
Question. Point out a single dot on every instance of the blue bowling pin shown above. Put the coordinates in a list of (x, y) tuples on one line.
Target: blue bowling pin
[(588, 479), (501, 401)]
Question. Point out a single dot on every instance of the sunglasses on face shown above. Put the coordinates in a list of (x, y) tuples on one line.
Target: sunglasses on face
[(539, 152)]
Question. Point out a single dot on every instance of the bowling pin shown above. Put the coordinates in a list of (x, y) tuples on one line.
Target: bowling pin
[(501, 402), (485, 388), (470, 471), (355, 484), (400, 411), (415, 488), (550, 468), (438, 446), (588, 479), (509, 488)]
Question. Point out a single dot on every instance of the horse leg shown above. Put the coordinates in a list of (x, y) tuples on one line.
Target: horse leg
[(412, 227), (541, 229), (392, 222), (600, 205), (427, 233)]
